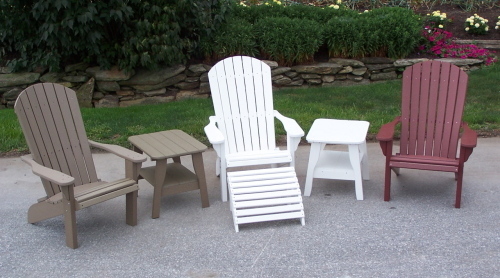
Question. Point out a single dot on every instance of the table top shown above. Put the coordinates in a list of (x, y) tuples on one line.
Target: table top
[(332, 131), (167, 144)]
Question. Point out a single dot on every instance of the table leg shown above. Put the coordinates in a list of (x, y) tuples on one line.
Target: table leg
[(354, 157), (199, 169), (160, 172), (136, 175), (313, 159)]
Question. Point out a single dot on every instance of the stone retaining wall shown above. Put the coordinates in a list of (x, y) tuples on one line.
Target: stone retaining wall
[(116, 88)]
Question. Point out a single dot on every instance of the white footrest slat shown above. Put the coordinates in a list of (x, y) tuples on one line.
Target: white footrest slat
[(265, 195)]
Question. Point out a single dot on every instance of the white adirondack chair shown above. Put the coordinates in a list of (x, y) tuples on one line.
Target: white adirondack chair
[(242, 130)]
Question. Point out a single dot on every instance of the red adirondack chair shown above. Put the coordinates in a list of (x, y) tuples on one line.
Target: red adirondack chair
[(432, 103)]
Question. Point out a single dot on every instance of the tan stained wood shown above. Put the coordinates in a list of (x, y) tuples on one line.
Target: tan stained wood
[(51, 121), (171, 178), (167, 144)]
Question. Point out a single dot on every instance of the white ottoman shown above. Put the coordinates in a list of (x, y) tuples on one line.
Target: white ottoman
[(264, 195)]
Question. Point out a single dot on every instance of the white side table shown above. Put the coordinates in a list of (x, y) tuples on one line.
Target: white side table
[(326, 164)]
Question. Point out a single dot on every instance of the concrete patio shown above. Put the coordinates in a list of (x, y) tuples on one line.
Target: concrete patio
[(417, 234)]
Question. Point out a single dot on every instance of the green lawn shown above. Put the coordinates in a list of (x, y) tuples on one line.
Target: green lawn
[(376, 103)]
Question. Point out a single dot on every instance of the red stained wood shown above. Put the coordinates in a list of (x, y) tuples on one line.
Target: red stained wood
[(432, 104)]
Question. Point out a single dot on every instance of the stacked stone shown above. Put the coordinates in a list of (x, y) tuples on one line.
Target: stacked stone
[(119, 88)]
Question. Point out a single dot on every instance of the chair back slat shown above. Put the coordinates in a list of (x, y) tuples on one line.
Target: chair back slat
[(267, 97), (433, 99), (458, 112), (222, 107), (32, 133), (253, 116), (242, 120), (423, 112), (432, 106), (242, 95), (405, 109), (51, 121)]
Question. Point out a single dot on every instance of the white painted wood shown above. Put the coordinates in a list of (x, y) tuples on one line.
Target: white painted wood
[(252, 103), (265, 195), (326, 164), (241, 93), (241, 90)]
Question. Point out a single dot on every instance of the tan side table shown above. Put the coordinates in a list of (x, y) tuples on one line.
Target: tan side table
[(171, 178)]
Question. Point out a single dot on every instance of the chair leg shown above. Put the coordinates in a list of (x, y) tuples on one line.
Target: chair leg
[(217, 167), (387, 189), (223, 183), (131, 208), (459, 177), (69, 216)]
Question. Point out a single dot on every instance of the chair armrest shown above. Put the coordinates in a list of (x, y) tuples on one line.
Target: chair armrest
[(46, 173), (120, 151), (469, 137), (386, 132), (213, 133), (292, 128)]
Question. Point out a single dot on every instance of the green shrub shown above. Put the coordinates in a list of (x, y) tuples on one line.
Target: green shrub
[(319, 14), (344, 37), (47, 33), (399, 30), (288, 41), (236, 37), (255, 12), (153, 38), (129, 33), (391, 32), (168, 32)]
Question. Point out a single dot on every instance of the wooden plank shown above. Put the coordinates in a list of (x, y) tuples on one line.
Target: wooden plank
[(242, 90), (431, 117), (457, 118), (187, 141), (215, 88), (71, 115), (59, 135), (265, 195), (414, 107), (222, 105), (282, 184), (262, 106), (405, 109), (234, 115), (449, 113), (262, 176), (425, 84), (252, 103), (268, 102), (53, 145), (31, 133), (269, 210), (267, 202), (91, 192), (444, 76), (167, 144), (265, 187), (42, 137)]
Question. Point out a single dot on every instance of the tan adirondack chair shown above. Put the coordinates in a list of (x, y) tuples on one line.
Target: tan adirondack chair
[(242, 131), (60, 154), (433, 98)]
